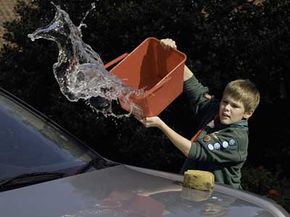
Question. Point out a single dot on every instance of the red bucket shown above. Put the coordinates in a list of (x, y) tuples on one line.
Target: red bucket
[(157, 70)]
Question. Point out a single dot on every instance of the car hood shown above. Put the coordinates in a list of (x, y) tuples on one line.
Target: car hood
[(121, 191)]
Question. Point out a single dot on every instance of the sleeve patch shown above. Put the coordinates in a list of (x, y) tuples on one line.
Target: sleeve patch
[(210, 147), (232, 142), (212, 142), (217, 145), (225, 144), (206, 138)]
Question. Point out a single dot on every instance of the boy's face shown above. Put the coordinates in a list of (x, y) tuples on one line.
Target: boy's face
[(231, 110)]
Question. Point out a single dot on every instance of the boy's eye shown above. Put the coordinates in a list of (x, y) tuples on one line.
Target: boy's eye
[(233, 104), (225, 101), (236, 105)]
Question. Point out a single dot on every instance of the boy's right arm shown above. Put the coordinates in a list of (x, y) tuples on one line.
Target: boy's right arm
[(168, 43), (187, 73), (193, 89), (196, 94)]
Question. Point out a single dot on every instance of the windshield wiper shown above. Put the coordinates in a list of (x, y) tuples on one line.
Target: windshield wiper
[(97, 163), (29, 178)]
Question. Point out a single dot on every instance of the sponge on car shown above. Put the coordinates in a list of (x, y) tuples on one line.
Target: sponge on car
[(198, 179)]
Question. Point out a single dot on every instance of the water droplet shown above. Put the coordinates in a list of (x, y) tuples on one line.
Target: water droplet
[(79, 70)]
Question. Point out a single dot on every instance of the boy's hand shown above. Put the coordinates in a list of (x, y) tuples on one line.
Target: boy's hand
[(168, 43), (209, 97), (151, 121)]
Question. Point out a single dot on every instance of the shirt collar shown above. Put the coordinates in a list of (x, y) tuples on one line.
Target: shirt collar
[(241, 123)]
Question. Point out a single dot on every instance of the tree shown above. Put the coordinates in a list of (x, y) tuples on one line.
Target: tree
[(223, 40)]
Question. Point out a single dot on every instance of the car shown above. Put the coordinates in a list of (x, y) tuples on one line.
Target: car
[(47, 172)]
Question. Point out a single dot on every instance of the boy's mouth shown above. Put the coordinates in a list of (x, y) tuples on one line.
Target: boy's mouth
[(224, 115)]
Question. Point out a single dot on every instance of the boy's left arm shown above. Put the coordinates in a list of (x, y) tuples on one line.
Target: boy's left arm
[(223, 147), (182, 143), (220, 147)]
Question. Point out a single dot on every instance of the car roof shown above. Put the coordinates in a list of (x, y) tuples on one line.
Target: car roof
[(129, 191)]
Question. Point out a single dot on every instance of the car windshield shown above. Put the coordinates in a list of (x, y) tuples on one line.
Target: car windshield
[(29, 144)]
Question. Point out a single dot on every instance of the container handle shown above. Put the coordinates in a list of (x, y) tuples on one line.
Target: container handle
[(116, 60)]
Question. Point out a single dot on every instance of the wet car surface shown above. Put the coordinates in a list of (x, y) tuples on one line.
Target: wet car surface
[(46, 172)]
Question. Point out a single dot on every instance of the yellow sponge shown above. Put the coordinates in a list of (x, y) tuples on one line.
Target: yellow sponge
[(198, 179)]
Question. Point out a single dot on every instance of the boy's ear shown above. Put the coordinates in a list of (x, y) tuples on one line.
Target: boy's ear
[(247, 115)]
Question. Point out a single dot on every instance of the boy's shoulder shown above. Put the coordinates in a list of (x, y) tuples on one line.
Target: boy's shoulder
[(235, 135)]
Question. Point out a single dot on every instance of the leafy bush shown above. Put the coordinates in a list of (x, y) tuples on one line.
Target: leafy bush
[(223, 40), (262, 181)]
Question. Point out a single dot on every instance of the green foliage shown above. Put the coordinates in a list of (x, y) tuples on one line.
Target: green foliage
[(259, 180), (262, 181), (223, 40)]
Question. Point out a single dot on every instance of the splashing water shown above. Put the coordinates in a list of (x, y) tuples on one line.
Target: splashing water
[(79, 70)]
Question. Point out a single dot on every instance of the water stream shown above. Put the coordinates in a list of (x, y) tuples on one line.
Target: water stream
[(79, 70)]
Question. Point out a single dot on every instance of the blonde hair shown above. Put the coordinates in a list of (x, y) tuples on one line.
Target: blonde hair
[(245, 91)]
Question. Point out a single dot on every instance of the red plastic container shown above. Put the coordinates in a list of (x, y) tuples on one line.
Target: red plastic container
[(157, 70)]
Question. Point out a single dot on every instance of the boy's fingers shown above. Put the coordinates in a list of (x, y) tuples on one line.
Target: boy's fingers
[(207, 96), (168, 43), (145, 122), (142, 120)]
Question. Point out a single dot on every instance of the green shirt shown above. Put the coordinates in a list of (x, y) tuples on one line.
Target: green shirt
[(221, 149)]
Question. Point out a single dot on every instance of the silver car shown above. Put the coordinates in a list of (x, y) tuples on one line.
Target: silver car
[(46, 172)]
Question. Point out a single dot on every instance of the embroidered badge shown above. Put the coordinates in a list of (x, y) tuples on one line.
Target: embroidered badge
[(232, 142), (206, 138), (225, 144), (217, 145), (210, 147)]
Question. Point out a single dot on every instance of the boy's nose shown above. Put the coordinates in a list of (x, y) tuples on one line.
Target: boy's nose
[(227, 107)]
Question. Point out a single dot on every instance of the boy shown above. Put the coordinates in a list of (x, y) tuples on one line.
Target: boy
[(221, 143)]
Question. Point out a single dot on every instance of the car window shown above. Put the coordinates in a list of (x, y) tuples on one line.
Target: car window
[(30, 143)]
